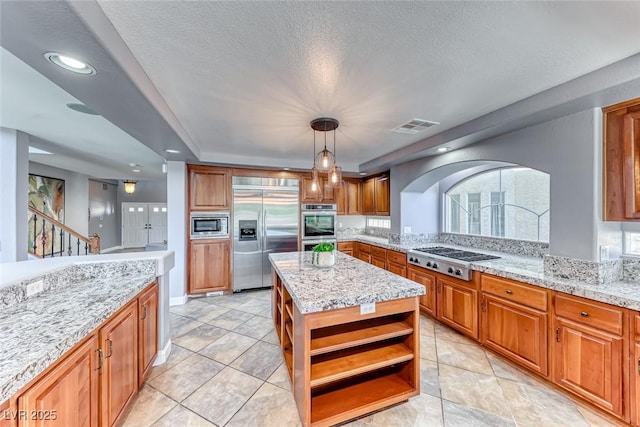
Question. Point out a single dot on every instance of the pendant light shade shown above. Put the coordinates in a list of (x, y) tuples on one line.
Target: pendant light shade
[(325, 160), (335, 177)]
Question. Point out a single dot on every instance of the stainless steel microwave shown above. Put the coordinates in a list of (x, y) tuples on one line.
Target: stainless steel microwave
[(209, 225)]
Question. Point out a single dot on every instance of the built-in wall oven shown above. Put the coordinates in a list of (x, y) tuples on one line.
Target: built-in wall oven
[(318, 222), (209, 225)]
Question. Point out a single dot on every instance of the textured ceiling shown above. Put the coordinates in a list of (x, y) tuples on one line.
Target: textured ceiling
[(245, 78)]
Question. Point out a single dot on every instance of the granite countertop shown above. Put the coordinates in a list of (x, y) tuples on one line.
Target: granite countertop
[(527, 269), (350, 282), (34, 333)]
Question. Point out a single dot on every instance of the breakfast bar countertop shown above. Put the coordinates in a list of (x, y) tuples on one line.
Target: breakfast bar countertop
[(350, 282)]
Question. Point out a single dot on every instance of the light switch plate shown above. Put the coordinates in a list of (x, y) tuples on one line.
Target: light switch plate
[(407, 230), (604, 253), (368, 308)]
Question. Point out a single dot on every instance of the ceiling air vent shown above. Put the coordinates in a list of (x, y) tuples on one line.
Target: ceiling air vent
[(414, 126)]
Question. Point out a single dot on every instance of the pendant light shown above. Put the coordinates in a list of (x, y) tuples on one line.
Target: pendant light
[(315, 180), (335, 176), (325, 160), (129, 186)]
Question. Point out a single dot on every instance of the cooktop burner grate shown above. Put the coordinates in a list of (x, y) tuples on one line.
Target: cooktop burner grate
[(458, 254)]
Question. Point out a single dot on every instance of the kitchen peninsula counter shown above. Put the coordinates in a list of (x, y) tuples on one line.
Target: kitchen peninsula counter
[(349, 336)]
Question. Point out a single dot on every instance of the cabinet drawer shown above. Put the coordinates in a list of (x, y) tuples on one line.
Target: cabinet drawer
[(521, 293), (364, 248), (606, 318), (396, 257), (378, 252), (345, 246)]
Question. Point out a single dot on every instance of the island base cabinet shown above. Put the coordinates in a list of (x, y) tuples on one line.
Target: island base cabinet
[(119, 375), (147, 331), (589, 362), (348, 364), (68, 394), (515, 331)]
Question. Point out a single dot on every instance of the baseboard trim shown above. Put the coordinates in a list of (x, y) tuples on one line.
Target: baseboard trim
[(111, 249), (178, 300), (163, 354)]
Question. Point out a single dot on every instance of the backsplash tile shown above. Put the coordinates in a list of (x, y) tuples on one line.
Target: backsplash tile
[(377, 232), (413, 239), (344, 232), (519, 247), (582, 270), (631, 269)]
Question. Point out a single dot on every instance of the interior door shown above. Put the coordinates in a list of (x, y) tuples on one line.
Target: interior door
[(247, 254), (280, 227), (134, 220), (157, 222)]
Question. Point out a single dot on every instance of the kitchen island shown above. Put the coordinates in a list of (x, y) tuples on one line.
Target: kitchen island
[(349, 336)]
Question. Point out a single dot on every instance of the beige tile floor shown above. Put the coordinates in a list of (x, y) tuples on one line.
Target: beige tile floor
[(226, 369)]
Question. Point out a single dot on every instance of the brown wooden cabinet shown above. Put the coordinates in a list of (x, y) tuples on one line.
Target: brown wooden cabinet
[(325, 195), (364, 252), (622, 161), (379, 257), (376, 195), (589, 350), (346, 247), (119, 376), (514, 321), (209, 266), (422, 276), (349, 197), (68, 394), (209, 188), (635, 369), (147, 331), (457, 305), (397, 262)]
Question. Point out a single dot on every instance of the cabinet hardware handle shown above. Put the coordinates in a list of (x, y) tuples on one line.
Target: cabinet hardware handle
[(99, 359), (110, 348), (557, 334), (509, 291), (638, 365), (584, 314), (145, 312), (484, 305)]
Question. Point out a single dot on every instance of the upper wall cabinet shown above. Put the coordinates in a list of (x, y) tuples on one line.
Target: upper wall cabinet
[(375, 195), (621, 181), (209, 188), (349, 197), (327, 195)]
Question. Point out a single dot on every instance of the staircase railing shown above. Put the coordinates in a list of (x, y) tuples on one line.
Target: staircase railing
[(49, 237)]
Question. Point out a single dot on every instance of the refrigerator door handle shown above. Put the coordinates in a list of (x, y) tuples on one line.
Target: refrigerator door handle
[(259, 231), (264, 229)]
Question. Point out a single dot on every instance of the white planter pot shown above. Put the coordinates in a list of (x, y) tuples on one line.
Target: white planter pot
[(323, 259)]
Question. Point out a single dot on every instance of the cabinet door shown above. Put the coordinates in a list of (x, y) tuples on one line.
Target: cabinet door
[(368, 197), (381, 199), (208, 189), (341, 199), (147, 331), (353, 192), (209, 266), (458, 307), (400, 270), (589, 363), (427, 301), (379, 262), (515, 331), (119, 380), (631, 165), (68, 394), (635, 370), (307, 195)]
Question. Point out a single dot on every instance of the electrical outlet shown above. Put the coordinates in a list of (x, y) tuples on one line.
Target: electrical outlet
[(407, 230), (35, 288), (369, 308), (340, 225), (604, 253)]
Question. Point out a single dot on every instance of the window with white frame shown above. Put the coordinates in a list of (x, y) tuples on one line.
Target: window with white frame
[(378, 222), (632, 243), (509, 202)]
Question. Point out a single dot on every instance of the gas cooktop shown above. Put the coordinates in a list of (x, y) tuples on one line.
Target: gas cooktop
[(458, 254), (453, 262)]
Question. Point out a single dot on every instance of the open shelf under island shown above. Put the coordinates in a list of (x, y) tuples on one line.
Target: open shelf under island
[(349, 335)]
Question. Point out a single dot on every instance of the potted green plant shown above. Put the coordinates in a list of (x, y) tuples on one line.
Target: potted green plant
[(323, 255)]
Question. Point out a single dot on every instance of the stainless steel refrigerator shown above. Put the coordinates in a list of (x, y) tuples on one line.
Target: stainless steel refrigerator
[(266, 215)]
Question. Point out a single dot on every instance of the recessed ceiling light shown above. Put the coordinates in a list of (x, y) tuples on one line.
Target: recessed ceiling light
[(81, 108), (70, 64), (34, 150), (136, 170), (362, 173), (168, 150), (133, 165), (285, 169), (443, 149)]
